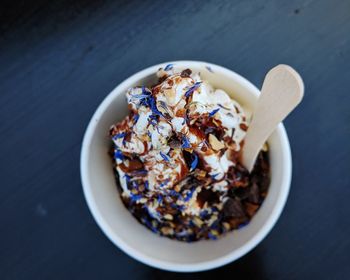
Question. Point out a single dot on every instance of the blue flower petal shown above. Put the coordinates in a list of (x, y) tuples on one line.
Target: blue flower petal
[(192, 89), (165, 157), (194, 162), (118, 154), (204, 214), (119, 135), (169, 67), (181, 207), (212, 113), (127, 178), (164, 183), (136, 118), (243, 225), (152, 105), (140, 172), (211, 236), (185, 143), (189, 195), (209, 69), (135, 197), (173, 193)]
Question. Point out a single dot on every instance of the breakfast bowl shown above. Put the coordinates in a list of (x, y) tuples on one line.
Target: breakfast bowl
[(120, 226)]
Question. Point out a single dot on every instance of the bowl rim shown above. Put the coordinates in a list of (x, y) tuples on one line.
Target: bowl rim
[(167, 265)]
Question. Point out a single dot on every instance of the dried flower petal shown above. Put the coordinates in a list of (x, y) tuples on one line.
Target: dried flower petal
[(192, 89)]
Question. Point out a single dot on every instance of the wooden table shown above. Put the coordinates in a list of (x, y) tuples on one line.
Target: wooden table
[(59, 59)]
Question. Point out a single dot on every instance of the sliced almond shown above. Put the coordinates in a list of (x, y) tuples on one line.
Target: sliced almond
[(216, 122), (177, 188), (198, 221), (167, 230), (200, 173), (226, 225), (215, 143), (265, 147), (168, 217), (231, 145)]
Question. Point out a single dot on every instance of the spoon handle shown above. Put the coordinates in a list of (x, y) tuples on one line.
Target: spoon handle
[(282, 91)]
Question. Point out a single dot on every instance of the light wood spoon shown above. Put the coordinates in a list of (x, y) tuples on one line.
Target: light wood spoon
[(282, 91)]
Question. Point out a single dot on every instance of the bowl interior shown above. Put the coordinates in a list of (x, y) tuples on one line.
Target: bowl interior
[(135, 239)]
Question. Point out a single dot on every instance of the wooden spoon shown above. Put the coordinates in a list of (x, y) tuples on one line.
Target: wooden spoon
[(282, 91)]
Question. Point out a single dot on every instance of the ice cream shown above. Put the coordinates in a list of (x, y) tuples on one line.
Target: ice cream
[(176, 157)]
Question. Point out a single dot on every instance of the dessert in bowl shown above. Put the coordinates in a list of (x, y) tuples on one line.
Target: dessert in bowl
[(177, 165), (177, 158)]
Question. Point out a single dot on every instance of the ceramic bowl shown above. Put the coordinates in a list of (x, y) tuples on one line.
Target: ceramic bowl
[(136, 240)]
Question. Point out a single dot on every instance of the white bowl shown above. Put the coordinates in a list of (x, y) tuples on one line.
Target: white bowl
[(135, 239)]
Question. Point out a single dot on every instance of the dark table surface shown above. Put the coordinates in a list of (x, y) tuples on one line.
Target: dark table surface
[(59, 59)]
